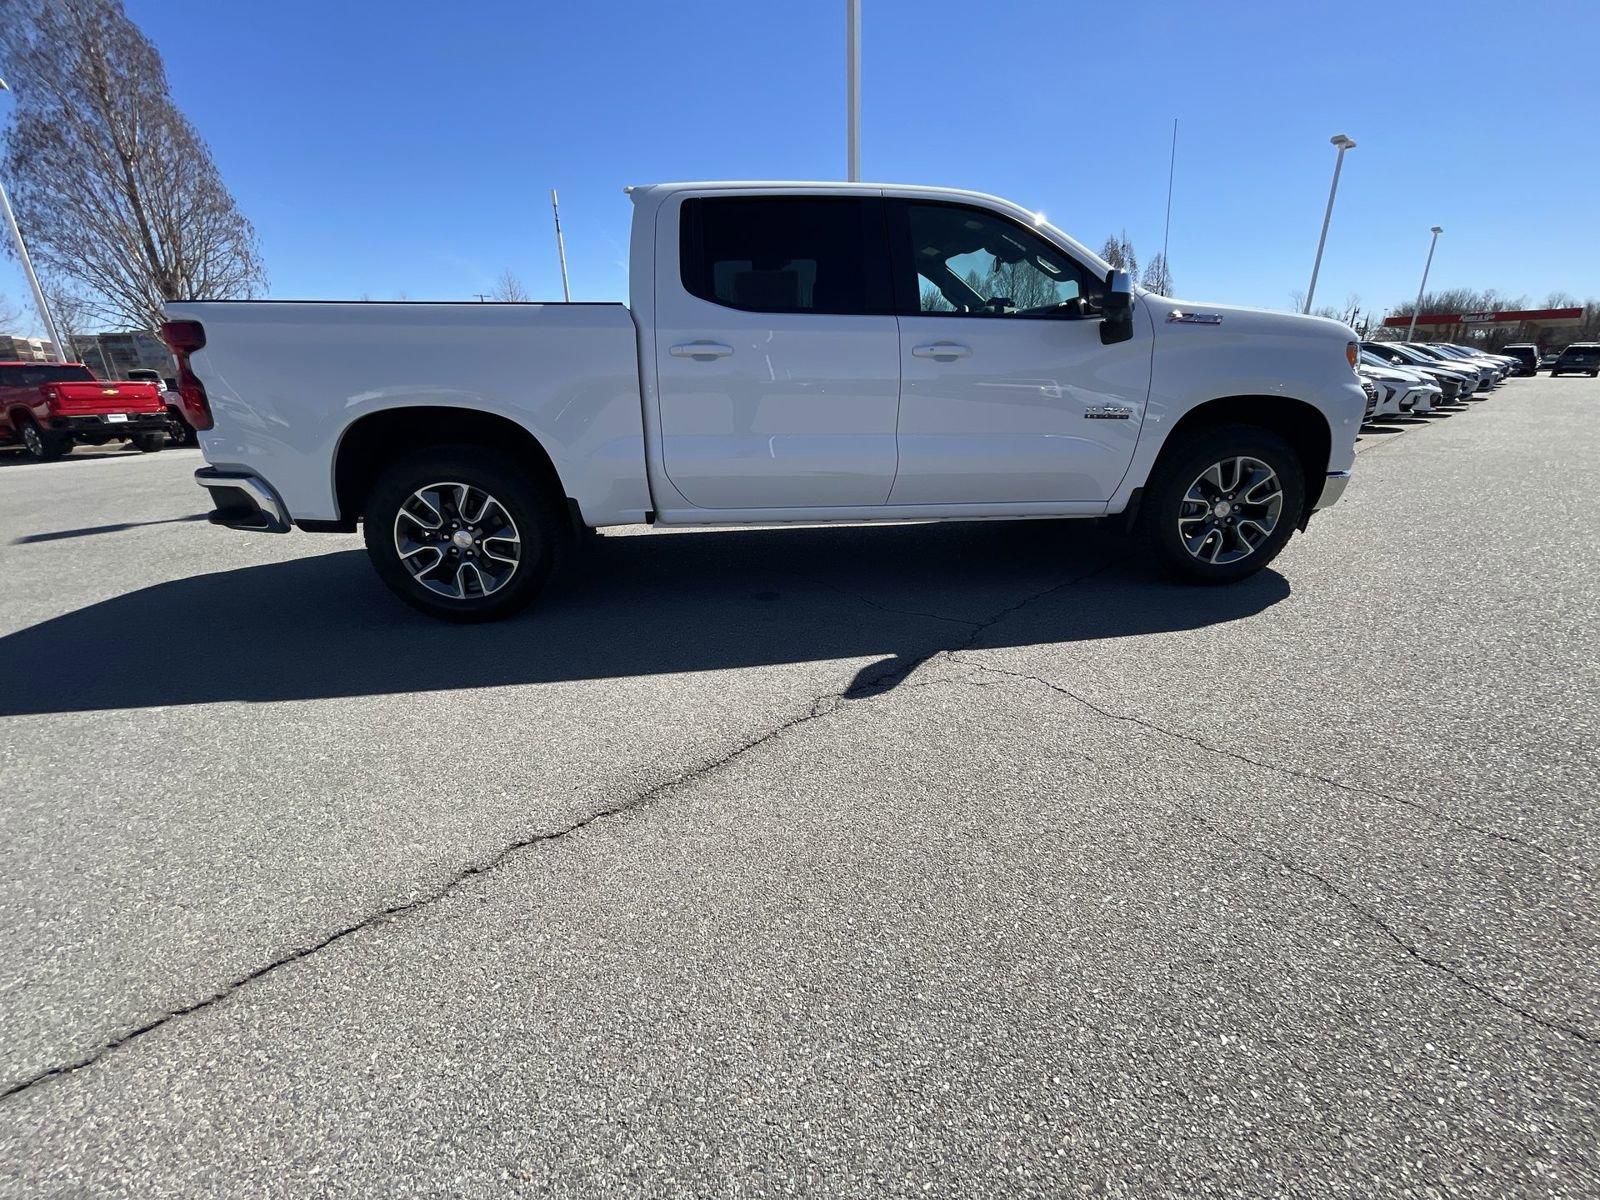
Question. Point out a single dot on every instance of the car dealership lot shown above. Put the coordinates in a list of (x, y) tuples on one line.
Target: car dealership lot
[(963, 858)]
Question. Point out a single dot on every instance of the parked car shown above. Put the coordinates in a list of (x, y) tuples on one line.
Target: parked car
[(1578, 358), (179, 431), (1527, 356), (791, 353), (46, 408), (1488, 374), (1399, 391), (1404, 356), (1502, 364), (1549, 359)]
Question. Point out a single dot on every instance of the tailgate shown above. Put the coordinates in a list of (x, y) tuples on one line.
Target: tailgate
[(85, 399)]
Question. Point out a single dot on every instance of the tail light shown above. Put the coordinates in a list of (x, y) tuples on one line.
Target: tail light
[(183, 338)]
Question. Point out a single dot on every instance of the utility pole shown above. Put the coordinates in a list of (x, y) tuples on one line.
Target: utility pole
[(852, 53), (561, 247), (1344, 144), (1166, 232), (1411, 334)]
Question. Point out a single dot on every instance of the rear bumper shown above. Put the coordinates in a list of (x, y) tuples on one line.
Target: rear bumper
[(243, 500), (101, 425)]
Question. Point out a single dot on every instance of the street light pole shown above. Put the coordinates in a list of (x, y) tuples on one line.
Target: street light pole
[(1411, 333), (852, 53), (27, 269), (1344, 144), (561, 246)]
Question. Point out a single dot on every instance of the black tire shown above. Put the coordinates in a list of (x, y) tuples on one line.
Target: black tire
[(183, 433), (1181, 468), (534, 516), (149, 443), (42, 446)]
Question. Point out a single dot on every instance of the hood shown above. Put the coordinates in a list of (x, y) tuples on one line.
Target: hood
[(1393, 374), (1164, 311)]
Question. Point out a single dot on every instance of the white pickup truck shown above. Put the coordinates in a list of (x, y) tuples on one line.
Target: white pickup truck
[(793, 352)]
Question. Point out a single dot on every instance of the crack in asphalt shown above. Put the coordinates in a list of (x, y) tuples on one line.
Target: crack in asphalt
[(864, 686), (1373, 920), (1294, 772)]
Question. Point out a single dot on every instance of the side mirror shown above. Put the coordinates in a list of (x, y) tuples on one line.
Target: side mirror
[(1116, 309)]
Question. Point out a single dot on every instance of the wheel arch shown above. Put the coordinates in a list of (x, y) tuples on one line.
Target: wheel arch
[(1302, 425), (377, 439)]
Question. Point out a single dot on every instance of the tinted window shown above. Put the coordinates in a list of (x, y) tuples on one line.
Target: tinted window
[(970, 262), (47, 373), (786, 254)]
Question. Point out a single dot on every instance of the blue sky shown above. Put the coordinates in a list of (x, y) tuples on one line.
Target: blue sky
[(407, 148)]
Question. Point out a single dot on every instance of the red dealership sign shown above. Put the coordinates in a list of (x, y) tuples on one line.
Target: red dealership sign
[(1539, 316)]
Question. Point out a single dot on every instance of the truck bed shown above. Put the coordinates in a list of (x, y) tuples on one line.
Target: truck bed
[(288, 379)]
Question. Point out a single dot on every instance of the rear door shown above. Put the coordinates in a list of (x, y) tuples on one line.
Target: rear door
[(777, 356), (8, 397), (1008, 394)]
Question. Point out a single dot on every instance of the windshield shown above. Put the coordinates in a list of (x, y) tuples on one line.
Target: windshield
[(1410, 354)]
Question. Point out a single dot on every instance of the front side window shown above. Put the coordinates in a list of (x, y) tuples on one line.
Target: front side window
[(969, 262), (786, 254)]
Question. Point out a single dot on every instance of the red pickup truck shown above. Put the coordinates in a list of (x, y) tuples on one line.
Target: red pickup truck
[(48, 407)]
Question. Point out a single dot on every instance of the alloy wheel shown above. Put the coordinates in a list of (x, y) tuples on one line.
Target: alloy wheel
[(1230, 510), (457, 540)]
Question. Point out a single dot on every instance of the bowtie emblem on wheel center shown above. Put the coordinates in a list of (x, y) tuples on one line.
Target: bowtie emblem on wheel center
[(462, 538)]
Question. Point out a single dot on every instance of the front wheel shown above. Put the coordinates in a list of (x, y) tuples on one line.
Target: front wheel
[(1222, 503), (148, 443), (462, 533)]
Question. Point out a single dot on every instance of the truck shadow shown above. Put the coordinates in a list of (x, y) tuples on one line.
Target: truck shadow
[(323, 627)]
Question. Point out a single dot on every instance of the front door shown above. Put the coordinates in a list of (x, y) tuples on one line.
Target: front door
[(777, 356), (1008, 394)]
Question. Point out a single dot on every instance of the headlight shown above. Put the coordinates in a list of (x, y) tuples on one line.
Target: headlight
[(1353, 353)]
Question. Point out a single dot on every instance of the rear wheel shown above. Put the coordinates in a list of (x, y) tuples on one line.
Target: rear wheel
[(462, 533), (1222, 503), (40, 445), (183, 433)]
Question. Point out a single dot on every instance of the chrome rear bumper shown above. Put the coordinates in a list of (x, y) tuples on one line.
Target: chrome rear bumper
[(243, 500)]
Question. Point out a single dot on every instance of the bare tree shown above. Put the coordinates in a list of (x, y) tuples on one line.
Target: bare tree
[(1157, 278), (10, 314), (1119, 253), (119, 194), (509, 288)]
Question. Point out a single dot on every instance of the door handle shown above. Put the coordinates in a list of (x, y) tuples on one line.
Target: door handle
[(701, 351), (943, 351)]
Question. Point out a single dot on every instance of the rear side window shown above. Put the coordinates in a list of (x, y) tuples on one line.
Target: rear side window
[(786, 254)]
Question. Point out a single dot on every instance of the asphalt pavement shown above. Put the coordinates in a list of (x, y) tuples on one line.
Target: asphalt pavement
[(883, 861)]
